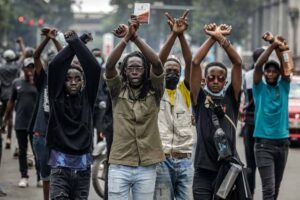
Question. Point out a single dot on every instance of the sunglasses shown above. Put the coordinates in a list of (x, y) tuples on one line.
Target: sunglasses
[(211, 78)]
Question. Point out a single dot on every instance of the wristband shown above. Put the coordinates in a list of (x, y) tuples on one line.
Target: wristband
[(124, 41)]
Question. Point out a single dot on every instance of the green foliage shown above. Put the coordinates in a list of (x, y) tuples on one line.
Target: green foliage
[(233, 12), (56, 13)]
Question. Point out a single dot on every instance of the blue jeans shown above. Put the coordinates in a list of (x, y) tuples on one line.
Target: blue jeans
[(141, 181), (174, 179), (271, 157), (68, 184), (42, 155)]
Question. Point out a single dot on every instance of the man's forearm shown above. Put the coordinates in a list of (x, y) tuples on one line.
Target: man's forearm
[(113, 59), (148, 52), (187, 56), (203, 50), (57, 44), (166, 49)]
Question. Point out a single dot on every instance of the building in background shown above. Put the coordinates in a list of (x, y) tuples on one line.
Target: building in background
[(281, 17)]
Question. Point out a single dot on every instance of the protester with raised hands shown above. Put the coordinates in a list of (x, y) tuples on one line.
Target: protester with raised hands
[(271, 95), (216, 108), (72, 89), (175, 174), (135, 93), (39, 121)]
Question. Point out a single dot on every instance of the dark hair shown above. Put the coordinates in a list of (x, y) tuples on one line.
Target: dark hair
[(256, 53), (146, 83), (272, 63), (215, 64)]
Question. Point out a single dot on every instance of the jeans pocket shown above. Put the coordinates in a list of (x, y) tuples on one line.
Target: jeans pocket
[(56, 171), (84, 173)]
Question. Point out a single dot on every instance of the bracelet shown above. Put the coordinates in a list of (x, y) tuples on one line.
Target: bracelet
[(225, 43), (124, 41)]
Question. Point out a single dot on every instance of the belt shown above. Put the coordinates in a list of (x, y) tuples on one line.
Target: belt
[(178, 155), (276, 142)]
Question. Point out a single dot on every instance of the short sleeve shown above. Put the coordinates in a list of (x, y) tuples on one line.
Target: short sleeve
[(285, 84), (158, 83), (257, 88), (114, 86)]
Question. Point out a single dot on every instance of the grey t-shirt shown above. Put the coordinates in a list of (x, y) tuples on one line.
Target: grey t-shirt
[(24, 95), (8, 73)]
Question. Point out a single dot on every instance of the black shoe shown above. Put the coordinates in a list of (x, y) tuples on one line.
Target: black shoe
[(7, 144), (16, 153)]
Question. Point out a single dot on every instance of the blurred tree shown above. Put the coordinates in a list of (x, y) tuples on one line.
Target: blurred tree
[(233, 12), (5, 16), (55, 13)]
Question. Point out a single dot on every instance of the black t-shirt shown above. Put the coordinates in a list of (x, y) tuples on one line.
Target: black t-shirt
[(24, 95), (206, 154), (70, 128)]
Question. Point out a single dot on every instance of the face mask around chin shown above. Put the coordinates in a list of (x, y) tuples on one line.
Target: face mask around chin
[(172, 81)]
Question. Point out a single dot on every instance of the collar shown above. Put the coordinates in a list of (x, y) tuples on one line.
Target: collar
[(265, 82)]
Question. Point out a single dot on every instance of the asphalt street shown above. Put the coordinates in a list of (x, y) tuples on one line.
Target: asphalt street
[(9, 177)]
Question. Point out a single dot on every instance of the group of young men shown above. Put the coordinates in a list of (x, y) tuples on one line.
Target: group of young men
[(154, 116)]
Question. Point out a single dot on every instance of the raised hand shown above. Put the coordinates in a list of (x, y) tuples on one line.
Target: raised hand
[(52, 33), (283, 46), (121, 31), (70, 35), (19, 40), (45, 31), (133, 25), (224, 29), (178, 26), (268, 37), (211, 29)]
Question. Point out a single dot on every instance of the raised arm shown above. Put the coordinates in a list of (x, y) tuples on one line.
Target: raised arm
[(263, 58), (186, 51), (21, 43), (236, 71), (166, 48), (147, 51), (37, 54), (122, 32), (196, 72), (88, 62), (282, 47)]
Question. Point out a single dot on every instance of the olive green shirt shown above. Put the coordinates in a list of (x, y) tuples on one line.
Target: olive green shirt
[(136, 139)]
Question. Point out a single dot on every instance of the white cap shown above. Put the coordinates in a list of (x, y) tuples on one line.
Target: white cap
[(9, 54), (28, 61)]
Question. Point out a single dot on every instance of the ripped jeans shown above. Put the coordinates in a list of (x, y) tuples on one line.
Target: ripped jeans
[(68, 184)]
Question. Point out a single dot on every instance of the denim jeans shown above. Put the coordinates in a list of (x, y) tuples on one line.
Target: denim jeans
[(203, 184), (42, 155), (247, 131), (68, 184), (271, 157), (140, 180), (174, 179)]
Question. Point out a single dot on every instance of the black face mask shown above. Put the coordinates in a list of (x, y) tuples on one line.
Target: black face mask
[(172, 81)]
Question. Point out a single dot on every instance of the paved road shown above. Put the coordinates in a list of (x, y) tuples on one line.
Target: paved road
[(9, 177)]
